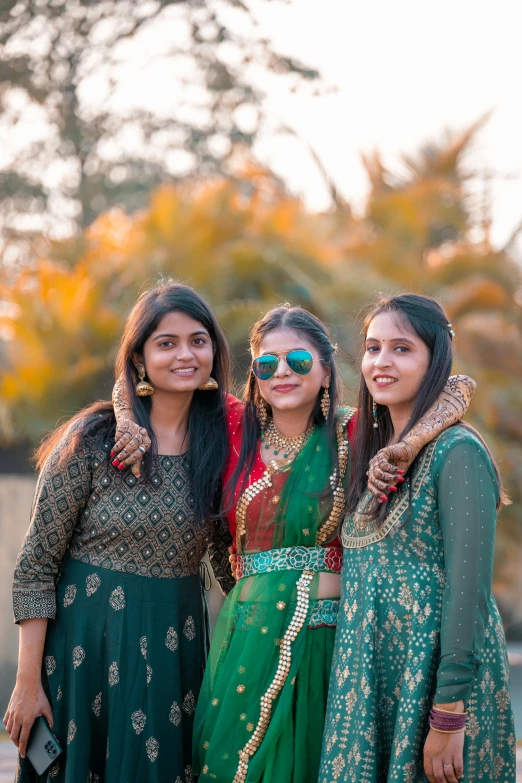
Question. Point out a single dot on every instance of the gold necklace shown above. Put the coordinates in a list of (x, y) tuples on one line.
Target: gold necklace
[(271, 436)]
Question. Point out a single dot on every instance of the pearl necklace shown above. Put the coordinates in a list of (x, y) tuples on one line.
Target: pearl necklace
[(271, 436)]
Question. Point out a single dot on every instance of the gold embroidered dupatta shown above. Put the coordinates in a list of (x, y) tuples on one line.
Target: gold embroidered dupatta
[(260, 633)]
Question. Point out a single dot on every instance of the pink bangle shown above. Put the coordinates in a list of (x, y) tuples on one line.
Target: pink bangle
[(447, 722)]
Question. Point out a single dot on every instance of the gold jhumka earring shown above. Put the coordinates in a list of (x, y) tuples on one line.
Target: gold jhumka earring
[(143, 388), (210, 385)]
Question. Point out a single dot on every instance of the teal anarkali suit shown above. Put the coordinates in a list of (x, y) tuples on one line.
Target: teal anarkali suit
[(113, 563), (418, 623)]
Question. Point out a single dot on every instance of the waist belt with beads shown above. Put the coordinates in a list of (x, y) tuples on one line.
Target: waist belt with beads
[(292, 558)]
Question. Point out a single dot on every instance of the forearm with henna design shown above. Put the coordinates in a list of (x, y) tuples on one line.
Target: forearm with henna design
[(132, 441), (119, 399), (448, 409)]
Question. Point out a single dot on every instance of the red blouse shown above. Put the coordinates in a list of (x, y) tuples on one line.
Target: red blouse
[(235, 429)]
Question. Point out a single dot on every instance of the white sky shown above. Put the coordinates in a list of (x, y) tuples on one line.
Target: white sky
[(406, 70)]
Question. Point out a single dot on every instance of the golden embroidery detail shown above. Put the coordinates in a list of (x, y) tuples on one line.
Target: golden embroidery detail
[(302, 585), (356, 523)]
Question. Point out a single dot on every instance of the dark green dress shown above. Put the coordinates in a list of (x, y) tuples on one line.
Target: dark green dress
[(418, 623), (114, 563)]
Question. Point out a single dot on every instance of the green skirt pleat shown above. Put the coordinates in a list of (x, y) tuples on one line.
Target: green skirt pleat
[(295, 757), (123, 666)]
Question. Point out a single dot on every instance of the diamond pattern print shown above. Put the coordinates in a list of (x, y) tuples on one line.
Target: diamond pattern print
[(109, 520)]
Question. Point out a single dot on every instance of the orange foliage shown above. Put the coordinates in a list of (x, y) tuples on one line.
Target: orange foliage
[(247, 244)]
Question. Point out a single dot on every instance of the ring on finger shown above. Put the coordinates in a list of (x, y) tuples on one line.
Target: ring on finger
[(142, 448)]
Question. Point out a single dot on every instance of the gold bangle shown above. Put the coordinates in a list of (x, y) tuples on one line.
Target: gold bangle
[(448, 712), (440, 731)]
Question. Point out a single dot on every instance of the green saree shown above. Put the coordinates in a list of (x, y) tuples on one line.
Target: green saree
[(260, 715)]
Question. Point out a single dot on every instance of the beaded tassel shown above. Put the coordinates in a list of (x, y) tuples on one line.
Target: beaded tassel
[(374, 414)]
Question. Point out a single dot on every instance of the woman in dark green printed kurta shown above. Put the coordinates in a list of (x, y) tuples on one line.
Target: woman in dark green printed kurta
[(418, 623), (111, 564)]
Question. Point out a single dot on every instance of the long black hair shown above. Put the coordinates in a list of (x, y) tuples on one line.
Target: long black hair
[(425, 318), (207, 418), (312, 329)]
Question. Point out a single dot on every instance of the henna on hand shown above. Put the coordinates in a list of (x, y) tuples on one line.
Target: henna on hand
[(378, 487), (447, 410), (130, 438), (387, 467), (119, 397), (130, 448), (132, 441)]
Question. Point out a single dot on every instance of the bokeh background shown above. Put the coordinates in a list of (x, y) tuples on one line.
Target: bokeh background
[(262, 151)]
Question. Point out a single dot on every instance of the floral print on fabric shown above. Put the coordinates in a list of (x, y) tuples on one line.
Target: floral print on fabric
[(123, 702), (418, 622)]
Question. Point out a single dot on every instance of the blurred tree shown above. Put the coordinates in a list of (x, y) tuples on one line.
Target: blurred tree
[(61, 66), (246, 244), (420, 234)]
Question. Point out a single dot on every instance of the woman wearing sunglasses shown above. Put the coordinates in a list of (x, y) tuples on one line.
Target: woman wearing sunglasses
[(261, 710)]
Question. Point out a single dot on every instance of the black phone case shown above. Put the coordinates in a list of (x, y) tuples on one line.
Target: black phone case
[(43, 748)]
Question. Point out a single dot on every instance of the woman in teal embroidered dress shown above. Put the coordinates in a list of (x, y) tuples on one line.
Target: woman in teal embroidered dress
[(107, 590), (418, 624)]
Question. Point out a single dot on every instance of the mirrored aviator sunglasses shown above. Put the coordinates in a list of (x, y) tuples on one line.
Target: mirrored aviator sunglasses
[(265, 367)]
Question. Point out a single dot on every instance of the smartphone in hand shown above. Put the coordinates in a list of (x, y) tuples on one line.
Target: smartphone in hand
[(43, 747)]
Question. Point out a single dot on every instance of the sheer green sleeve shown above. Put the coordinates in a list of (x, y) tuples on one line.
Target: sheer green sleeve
[(467, 493), (61, 494)]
